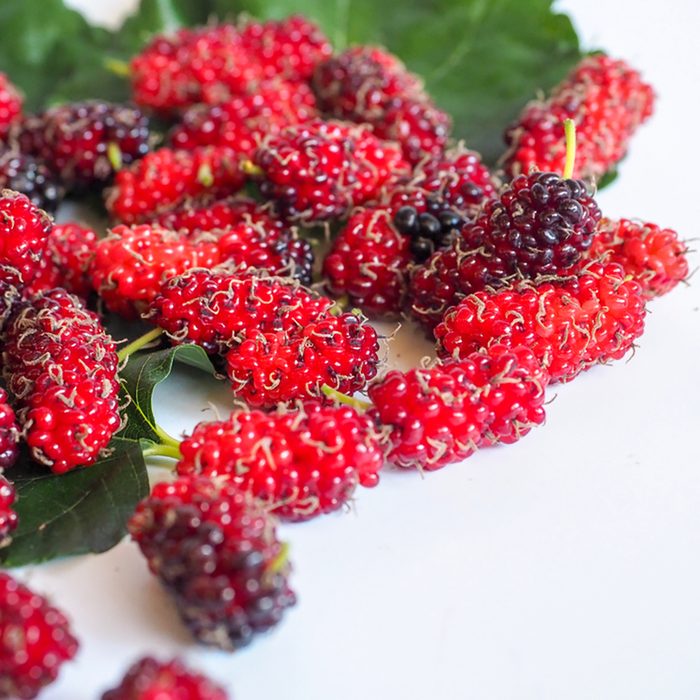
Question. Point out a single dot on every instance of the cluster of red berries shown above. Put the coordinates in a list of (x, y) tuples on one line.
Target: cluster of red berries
[(521, 284)]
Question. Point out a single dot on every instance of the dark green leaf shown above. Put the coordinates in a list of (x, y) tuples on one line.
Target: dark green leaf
[(608, 178), (83, 511), (143, 373)]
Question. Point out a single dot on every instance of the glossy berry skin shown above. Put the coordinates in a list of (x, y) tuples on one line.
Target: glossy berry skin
[(11, 286), (205, 64), (570, 325), (319, 170), (35, 641), (540, 224), (166, 178), (441, 414), (11, 102), (66, 261), (9, 434), (149, 679), (61, 367), (216, 551), (267, 369), (84, 143), (460, 179), (607, 100), (360, 82), (214, 308), (24, 231), (300, 463), (654, 256), (242, 122), (368, 262), (8, 517), (291, 48), (248, 234), (418, 125), (131, 263), (23, 173)]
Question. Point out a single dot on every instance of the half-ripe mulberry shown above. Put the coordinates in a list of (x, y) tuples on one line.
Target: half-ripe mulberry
[(84, 143), (215, 549), (242, 122), (11, 102), (319, 170), (35, 641)]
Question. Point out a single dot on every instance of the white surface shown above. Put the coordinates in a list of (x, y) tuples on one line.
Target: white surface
[(567, 566)]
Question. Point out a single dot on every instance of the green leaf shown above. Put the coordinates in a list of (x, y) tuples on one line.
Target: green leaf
[(143, 372), (482, 60), (608, 178), (83, 511)]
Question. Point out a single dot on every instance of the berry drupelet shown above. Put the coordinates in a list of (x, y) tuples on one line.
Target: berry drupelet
[(267, 369), (11, 102), (606, 99), (248, 234), (9, 433), (150, 679), (290, 48), (166, 178), (319, 170), (216, 551), (8, 517), (32, 177), (132, 262), (570, 324), (441, 414), (360, 82), (35, 641), (67, 259), (242, 122), (85, 143), (300, 463), (654, 256), (204, 64), (61, 367), (213, 308), (24, 231)]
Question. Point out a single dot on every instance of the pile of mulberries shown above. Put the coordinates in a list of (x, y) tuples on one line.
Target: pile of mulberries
[(266, 199)]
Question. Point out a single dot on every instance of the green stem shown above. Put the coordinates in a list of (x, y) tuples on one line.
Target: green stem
[(332, 393), (249, 168), (166, 439), (139, 343), (570, 136), (114, 155), (163, 451), (117, 67)]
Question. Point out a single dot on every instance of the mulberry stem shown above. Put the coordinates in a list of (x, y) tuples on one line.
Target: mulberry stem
[(332, 393), (249, 168), (117, 67), (139, 343), (163, 451), (570, 136)]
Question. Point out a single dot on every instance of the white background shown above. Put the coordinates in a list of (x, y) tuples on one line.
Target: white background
[(567, 566)]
